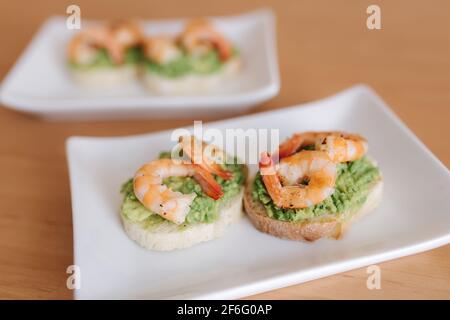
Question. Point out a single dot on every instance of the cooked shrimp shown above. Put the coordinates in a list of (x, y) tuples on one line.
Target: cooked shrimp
[(115, 38), (340, 146), (199, 37), (207, 156), (161, 49), (299, 141), (285, 184), (83, 47), (157, 197), (126, 33), (343, 147), (123, 35)]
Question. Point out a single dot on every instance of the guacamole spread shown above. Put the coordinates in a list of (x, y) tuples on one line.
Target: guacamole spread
[(352, 186), (207, 63), (103, 60), (203, 208)]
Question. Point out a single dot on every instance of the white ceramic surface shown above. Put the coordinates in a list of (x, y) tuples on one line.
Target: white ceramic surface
[(414, 215), (39, 83)]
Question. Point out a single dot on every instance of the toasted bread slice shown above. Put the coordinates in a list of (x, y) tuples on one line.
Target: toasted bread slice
[(168, 236), (309, 230), (104, 77), (192, 83)]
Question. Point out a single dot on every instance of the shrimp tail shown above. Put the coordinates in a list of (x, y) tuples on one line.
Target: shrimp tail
[(289, 147), (267, 164), (115, 52), (224, 47), (218, 170), (200, 154), (270, 178), (209, 185)]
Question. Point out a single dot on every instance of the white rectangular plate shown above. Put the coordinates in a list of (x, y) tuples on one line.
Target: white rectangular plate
[(413, 216), (39, 83)]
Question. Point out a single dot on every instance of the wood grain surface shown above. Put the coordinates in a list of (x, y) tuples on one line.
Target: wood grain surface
[(323, 46)]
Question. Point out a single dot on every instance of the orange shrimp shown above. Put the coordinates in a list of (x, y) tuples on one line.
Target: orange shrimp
[(161, 49), (114, 37), (200, 37), (299, 141), (343, 147), (340, 146), (205, 155), (285, 183), (157, 197)]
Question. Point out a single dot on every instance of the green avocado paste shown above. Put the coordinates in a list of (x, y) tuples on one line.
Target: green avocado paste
[(203, 209), (353, 184)]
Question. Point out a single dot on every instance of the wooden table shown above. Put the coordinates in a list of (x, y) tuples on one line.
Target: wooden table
[(324, 47)]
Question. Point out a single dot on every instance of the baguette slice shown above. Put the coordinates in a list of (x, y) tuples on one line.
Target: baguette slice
[(190, 84), (104, 77), (168, 236), (328, 226)]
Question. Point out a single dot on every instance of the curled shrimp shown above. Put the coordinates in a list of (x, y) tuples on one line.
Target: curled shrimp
[(343, 147), (285, 183), (339, 146), (115, 38), (161, 49), (200, 37), (208, 156), (299, 141), (83, 47), (126, 33), (157, 197)]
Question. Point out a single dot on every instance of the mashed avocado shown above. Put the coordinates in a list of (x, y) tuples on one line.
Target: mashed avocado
[(187, 64), (203, 208), (103, 60), (352, 186)]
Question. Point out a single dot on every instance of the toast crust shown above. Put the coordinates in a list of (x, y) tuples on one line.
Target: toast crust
[(310, 230)]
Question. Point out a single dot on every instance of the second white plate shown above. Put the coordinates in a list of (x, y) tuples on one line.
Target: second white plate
[(39, 82)]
